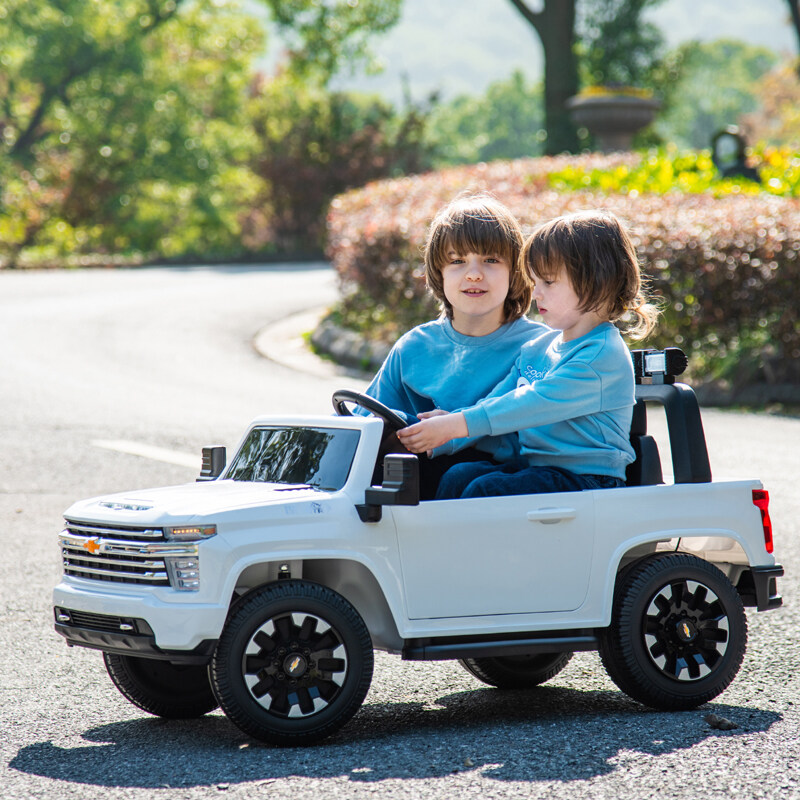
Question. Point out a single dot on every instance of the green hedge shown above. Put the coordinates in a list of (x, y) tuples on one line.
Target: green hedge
[(727, 267)]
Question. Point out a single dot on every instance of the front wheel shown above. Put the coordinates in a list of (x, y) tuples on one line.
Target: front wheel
[(173, 691), (293, 664), (678, 632), (517, 672)]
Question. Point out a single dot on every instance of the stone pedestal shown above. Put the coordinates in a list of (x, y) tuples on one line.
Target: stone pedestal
[(613, 119)]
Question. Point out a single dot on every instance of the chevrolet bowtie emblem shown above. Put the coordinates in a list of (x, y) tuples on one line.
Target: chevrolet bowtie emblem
[(92, 545)]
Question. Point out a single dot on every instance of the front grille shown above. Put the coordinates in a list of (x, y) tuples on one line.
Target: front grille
[(119, 554), (115, 531)]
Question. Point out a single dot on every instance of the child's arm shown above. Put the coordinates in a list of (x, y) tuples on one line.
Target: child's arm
[(415, 437), (387, 387), (573, 390), (433, 432)]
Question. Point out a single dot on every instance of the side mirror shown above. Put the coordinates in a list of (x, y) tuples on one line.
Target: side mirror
[(400, 487), (214, 460)]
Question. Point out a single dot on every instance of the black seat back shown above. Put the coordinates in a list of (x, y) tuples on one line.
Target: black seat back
[(645, 470)]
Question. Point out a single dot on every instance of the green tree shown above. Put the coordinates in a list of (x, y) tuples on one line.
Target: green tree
[(615, 43), (794, 12), (121, 122), (604, 40), (714, 84), (323, 36), (505, 122), (555, 25), (314, 144)]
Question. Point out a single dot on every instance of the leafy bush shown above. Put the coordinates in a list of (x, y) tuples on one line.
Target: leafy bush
[(313, 144), (665, 171), (727, 267)]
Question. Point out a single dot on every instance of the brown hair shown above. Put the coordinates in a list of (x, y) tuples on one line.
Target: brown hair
[(601, 264), (478, 224)]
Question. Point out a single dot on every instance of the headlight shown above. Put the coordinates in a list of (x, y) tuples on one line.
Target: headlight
[(184, 573), (190, 533)]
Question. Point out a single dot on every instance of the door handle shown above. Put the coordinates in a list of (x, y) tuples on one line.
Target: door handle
[(549, 516)]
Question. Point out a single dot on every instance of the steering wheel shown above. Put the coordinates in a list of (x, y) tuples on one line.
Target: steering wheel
[(342, 396)]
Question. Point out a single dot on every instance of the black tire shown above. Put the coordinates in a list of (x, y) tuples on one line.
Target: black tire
[(678, 632), (174, 691), (517, 672), (293, 664)]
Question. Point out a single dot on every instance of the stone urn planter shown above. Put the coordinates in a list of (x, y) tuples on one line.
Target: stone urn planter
[(613, 117)]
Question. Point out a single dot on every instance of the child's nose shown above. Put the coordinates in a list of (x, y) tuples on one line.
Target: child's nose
[(474, 271)]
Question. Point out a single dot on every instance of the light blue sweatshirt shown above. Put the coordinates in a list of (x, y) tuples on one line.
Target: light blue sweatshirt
[(434, 366), (571, 403)]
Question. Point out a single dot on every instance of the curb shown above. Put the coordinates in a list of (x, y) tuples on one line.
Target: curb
[(286, 342), (349, 348)]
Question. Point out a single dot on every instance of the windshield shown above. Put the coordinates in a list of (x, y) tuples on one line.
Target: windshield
[(317, 457)]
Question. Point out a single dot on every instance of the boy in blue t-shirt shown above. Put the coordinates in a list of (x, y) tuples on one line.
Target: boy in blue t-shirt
[(570, 394)]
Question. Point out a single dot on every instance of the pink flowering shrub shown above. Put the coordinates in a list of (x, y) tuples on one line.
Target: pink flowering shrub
[(727, 268)]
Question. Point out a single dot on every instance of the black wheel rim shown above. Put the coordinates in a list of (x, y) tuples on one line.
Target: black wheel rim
[(295, 665), (686, 630)]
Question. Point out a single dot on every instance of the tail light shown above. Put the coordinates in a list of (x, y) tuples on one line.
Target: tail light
[(761, 499)]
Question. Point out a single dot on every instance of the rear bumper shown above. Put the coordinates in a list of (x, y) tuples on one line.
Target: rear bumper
[(758, 587)]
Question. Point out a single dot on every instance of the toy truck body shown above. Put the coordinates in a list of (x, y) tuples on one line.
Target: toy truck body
[(265, 586)]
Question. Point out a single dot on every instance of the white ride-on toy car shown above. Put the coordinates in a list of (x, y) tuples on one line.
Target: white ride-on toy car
[(265, 586)]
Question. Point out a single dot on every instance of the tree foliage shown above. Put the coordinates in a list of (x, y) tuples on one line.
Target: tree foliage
[(314, 144), (507, 121), (124, 124), (616, 44), (776, 121), (121, 126), (323, 36), (591, 41), (713, 84)]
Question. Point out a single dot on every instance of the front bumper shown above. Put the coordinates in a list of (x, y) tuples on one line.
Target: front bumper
[(123, 636), (175, 621)]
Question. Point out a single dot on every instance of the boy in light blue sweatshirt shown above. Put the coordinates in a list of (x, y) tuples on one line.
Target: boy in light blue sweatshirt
[(472, 267), (570, 394)]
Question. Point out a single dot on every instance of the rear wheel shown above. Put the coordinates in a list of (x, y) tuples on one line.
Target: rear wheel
[(174, 691), (293, 664), (517, 672), (678, 632)]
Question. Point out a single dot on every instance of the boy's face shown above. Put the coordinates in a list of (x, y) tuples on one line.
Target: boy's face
[(559, 306), (476, 286)]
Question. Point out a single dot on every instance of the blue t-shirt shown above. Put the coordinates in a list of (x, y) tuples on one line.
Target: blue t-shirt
[(570, 402), (434, 366)]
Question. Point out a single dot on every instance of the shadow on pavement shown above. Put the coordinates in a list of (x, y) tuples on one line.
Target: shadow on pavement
[(545, 734)]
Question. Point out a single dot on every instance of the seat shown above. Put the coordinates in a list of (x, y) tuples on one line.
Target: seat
[(645, 470)]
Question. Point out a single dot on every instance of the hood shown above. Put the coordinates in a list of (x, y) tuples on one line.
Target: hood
[(178, 504)]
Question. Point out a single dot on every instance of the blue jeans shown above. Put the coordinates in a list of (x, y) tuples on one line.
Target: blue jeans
[(484, 479)]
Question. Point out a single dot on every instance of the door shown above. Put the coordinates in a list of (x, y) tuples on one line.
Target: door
[(496, 555)]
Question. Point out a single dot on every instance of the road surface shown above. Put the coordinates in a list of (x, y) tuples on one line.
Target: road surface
[(113, 380)]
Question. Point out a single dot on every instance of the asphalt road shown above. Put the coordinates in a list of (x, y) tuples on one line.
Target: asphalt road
[(96, 366)]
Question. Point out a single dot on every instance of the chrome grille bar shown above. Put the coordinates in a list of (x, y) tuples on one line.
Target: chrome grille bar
[(133, 577), (90, 529), (119, 547), (85, 558)]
